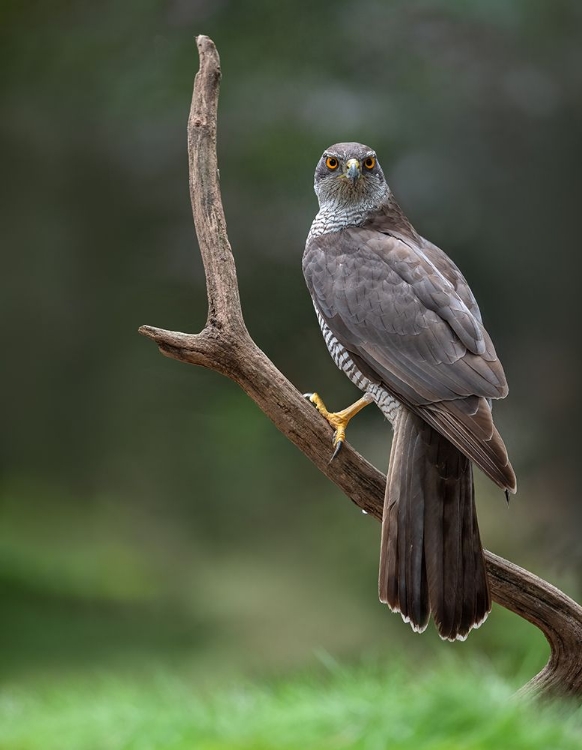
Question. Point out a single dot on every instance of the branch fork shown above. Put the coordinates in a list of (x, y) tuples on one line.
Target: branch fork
[(226, 346)]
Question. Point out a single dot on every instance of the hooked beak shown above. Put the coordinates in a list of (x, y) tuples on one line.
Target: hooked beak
[(353, 171)]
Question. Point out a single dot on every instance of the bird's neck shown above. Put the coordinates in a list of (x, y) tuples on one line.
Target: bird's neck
[(329, 219), (337, 214), (334, 216)]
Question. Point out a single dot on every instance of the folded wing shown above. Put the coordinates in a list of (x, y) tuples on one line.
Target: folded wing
[(408, 318)]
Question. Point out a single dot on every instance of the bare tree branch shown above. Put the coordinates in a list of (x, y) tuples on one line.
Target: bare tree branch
[(225, 345)]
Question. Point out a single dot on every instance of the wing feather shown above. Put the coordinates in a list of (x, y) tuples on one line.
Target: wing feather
[(407, 316)]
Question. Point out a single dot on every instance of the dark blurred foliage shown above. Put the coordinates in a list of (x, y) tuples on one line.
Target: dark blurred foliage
[(148, 508)]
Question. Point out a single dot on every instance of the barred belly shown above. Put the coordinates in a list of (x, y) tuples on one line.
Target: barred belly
[(388, 405)]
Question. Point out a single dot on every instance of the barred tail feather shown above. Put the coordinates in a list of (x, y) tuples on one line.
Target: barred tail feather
[(431, 559)]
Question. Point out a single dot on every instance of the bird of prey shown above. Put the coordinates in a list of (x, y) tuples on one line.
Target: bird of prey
[(402, 323)]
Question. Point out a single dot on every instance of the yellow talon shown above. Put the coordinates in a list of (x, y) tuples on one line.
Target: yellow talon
[(339, 419)]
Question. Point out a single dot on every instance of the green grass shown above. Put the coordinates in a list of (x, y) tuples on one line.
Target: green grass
[(449, 707)]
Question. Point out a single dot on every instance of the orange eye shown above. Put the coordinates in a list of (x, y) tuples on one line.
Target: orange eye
[(370, 162), (331, 162)]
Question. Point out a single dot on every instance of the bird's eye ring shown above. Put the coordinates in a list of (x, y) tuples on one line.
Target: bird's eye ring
[(369, 162), (331, 162)]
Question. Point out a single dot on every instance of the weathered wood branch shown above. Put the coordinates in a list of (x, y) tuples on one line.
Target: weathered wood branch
[(225, 345)]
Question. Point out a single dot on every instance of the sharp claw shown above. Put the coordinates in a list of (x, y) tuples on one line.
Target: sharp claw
[(338, 447), (309, 397)]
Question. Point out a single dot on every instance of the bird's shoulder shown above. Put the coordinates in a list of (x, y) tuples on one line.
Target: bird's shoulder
[(391, 223), (386, 255)]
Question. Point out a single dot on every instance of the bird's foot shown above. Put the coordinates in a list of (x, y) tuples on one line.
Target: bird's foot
[(338, 419)]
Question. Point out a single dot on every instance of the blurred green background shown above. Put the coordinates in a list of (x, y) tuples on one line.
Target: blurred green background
[(149, 513)]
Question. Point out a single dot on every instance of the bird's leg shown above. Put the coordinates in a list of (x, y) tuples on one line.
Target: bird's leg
[(339, 419)]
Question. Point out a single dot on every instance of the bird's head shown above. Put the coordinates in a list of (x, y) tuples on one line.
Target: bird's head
[(349, 175)]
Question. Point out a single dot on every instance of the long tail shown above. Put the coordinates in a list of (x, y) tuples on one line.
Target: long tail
[(431, 559)]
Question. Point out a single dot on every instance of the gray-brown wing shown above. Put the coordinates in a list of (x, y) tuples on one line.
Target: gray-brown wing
[(407, 327), (390, 220), (452, 272), (385, 302)]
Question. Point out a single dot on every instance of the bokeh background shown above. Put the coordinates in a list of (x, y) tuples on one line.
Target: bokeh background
[(149, 513)]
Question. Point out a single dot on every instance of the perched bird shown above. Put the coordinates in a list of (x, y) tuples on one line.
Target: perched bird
[(401, 322)]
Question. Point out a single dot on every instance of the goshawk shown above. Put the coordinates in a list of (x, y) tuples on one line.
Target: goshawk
[(400, 320)]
